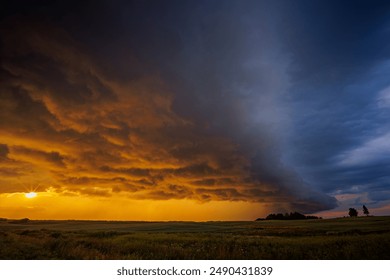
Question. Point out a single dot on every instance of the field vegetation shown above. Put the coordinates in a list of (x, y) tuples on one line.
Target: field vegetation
[(343, 238)]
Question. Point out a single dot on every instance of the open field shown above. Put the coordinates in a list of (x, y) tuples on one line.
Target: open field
[(344, 238)]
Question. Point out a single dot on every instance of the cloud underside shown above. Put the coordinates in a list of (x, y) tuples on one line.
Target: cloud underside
[(68, 127)]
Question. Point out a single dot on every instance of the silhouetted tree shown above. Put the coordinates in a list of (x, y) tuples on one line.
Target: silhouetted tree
[(365, 210), (353, 212)]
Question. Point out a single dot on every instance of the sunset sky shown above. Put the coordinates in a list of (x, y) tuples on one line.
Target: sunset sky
[(194, 110)]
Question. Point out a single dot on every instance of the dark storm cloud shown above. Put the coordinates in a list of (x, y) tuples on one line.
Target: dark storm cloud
[(339, 73), (208, 100), (333, 40)]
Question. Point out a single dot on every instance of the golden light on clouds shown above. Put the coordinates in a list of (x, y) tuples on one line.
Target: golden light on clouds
[(185, 106), (103, 147)]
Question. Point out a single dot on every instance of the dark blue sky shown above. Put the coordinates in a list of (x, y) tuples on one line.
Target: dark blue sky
[(300, 91)]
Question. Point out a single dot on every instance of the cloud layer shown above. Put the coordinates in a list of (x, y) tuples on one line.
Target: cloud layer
[(203, 101)]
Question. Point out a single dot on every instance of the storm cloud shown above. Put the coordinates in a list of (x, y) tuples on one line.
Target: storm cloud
[(203, 100)]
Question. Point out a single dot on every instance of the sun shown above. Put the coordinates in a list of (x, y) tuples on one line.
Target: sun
[(30, 194)]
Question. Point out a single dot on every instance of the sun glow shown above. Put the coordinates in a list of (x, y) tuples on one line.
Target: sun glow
[(30, 194)]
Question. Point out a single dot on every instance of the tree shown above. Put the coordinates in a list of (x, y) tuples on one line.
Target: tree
[(365, 210), (353, 212)]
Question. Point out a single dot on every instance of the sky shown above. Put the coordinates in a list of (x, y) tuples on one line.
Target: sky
[(194, 110)]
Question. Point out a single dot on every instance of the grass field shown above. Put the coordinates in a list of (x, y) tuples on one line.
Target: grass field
[(344, 238)]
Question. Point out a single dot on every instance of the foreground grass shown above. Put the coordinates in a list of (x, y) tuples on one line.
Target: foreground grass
[(362, 238)]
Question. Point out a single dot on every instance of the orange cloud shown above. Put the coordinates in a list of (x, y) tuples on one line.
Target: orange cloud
[(70, 128)]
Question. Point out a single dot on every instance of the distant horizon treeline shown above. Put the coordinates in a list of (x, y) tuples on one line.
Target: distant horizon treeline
[(289, 216)]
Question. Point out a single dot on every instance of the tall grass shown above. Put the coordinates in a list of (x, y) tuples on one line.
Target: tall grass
[(275, 240)]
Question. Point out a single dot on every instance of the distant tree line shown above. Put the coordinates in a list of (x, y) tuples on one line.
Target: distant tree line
[(289, 216)]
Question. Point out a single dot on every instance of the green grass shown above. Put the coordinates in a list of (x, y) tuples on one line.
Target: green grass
[(344, 238)]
